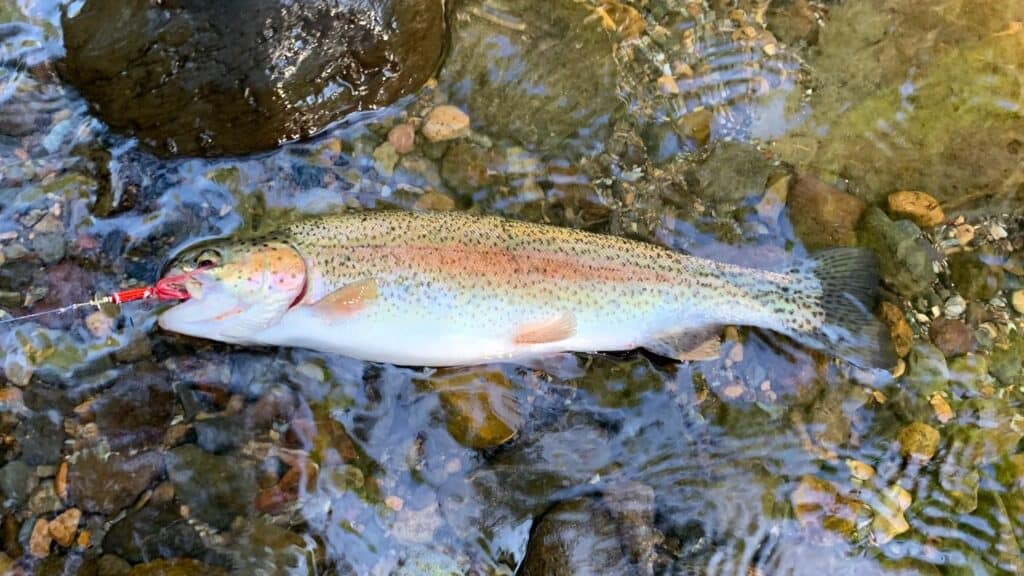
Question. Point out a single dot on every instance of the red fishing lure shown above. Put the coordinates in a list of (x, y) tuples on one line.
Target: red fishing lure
[(165, 289)]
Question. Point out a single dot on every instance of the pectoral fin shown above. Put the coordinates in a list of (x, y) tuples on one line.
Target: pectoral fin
[(347, 300), (698, 344), (547, 330)]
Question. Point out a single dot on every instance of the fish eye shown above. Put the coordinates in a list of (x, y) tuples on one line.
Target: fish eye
[(208, 258)]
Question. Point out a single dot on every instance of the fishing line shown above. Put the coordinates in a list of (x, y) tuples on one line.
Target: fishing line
[(166, 289)]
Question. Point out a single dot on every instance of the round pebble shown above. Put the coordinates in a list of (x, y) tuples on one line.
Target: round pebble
[(402, 138), (445, 123), (919, 207), (1017, 301)]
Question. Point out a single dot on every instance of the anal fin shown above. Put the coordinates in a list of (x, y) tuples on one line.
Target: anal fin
[(347, 300), (703, 343), (547, 330)]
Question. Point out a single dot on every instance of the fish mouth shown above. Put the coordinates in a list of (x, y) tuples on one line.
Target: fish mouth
[(202, 315)]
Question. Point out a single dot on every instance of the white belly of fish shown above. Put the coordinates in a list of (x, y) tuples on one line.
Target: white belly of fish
[(434, 342)]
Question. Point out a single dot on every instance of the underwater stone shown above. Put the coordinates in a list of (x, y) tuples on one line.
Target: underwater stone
[(974, 279), (151, 533), (822, 215), (540, 73), (107, 483), (904, 256), (928, 370), (215, 488), (193, 78), (1007, 363), (574, 537), (919, 440), (953, 337)]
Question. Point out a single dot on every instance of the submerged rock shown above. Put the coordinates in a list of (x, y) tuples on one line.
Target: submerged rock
[(919, 440), (904, 256), (929, 372), (539, 72), (481, 407), (107, 483), (953, 337), (915, 95), (194, 78), (152, 533), (575, 537), (973, 277), (215, 488), (822, 215)]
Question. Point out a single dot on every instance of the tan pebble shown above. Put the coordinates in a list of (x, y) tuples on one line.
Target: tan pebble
[(61, 484), (919, 207), (11, 399), (99, 324), (737, 15), (736, 354), (1017, 301), (943, 411), (84, 539), (84, 410), (453, 465), (899, 329), (334, 145), (770, 49), (682, 70), (184, 511), (402, 137), (64, 527), (860, 470), (766, 385), (919, 440), (879, 396), (445, 123), (667, 85), (394, 502), (697, 125), (39, 541), (964, 233), (900, 368), (435, 202), (734, 391), (774, 200)]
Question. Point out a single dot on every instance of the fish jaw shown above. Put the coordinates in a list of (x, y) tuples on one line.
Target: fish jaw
[(251, 290), (209, 313)]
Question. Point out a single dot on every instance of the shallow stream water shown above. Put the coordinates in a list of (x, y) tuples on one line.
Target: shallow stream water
[(750, 131)]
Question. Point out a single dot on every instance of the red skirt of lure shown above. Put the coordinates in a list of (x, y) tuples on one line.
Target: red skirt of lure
[(169, 288)]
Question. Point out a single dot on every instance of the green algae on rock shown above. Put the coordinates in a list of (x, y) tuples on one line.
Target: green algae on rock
[(539, 72), (919, 96), (194, 78)]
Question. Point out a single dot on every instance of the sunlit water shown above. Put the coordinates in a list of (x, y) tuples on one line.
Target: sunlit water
[(735, 466)]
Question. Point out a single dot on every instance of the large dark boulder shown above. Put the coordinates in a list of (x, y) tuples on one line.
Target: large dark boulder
[(195, 77)]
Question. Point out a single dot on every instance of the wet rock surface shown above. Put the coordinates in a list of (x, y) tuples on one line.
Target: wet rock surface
[(151, 533), (577, 537), (537, 75), (107, 483), (196, 79), (216, 488)]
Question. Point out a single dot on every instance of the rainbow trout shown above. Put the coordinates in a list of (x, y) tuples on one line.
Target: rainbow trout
[(451, 289)]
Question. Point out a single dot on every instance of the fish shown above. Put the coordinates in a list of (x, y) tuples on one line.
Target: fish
[(450, 289)]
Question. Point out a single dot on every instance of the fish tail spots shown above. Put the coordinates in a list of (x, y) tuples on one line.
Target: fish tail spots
[(844, 286)]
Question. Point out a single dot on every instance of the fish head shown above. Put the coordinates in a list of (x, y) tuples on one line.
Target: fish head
[(235, 289)]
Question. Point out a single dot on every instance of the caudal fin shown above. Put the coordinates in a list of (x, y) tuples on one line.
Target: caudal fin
[(848, 280)]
